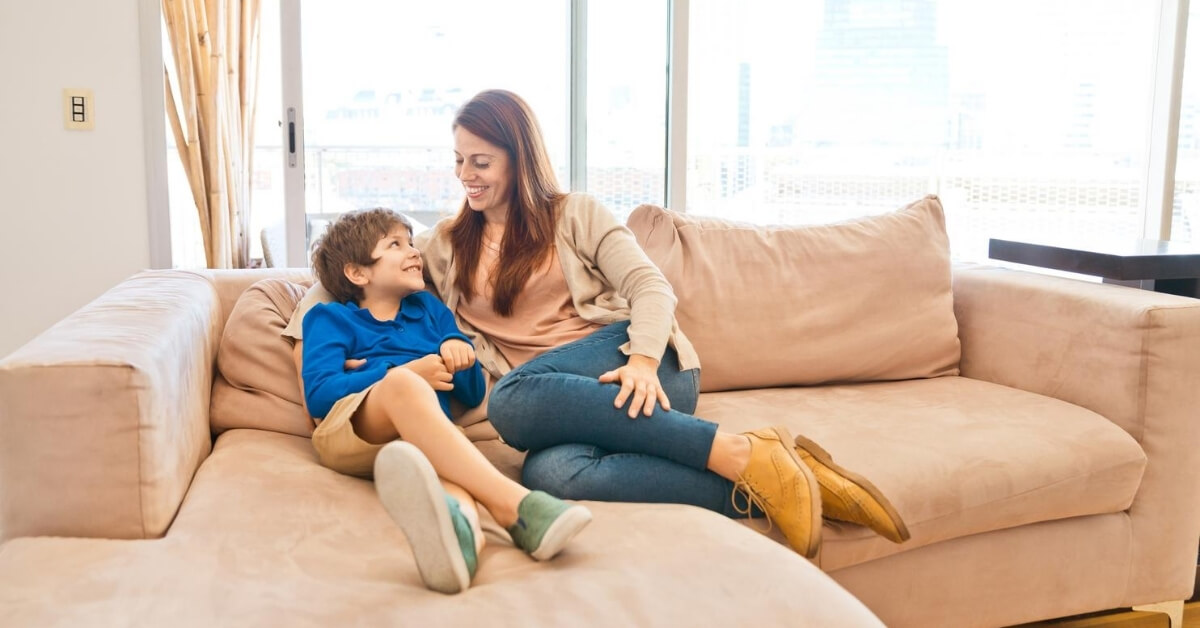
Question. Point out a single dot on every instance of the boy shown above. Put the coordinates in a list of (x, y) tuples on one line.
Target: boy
[(408, 357)]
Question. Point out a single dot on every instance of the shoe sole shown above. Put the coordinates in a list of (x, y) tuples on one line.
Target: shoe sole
[(814, 490), (411, 493), (824, 458), (564, 528)]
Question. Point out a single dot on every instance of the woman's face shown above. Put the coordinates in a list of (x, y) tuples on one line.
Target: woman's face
[(483, 169)]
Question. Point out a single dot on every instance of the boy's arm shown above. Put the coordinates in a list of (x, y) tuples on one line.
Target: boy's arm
[(326, 348), (469, 385), (445, 327)]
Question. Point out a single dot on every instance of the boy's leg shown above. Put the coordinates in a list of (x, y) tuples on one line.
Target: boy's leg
[(403, 404)]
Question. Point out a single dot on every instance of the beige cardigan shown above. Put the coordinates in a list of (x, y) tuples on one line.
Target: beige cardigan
[(609, 277)]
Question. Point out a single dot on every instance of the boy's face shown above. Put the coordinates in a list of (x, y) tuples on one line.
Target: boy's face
[(397, 269)]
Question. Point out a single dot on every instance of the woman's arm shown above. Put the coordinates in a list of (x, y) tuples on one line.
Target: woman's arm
[(612, 248), (609, 246)]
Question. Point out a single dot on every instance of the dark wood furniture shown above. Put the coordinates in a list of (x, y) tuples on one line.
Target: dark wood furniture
[(1159, 265)]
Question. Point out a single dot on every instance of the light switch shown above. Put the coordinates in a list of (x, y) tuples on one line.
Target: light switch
[(79, 109)]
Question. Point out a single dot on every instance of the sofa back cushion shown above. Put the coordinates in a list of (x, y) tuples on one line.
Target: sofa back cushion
[(256, 384), (862, 300)]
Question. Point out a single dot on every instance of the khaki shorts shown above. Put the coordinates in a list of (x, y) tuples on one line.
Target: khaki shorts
[(338, 447)]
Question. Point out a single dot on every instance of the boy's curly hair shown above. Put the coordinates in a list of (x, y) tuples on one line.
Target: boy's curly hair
[(350, 240)]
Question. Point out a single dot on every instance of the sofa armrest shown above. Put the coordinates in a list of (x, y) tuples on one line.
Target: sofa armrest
[(104, 417), (1132, 356)]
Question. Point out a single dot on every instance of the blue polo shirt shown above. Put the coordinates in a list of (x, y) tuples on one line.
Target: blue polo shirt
[(335, 332)]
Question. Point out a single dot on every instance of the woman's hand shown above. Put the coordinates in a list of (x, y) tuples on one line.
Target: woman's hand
[(457, 355), (639, 378), (353, 363)]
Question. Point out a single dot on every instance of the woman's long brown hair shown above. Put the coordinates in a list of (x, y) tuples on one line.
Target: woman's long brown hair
[(502, 118)]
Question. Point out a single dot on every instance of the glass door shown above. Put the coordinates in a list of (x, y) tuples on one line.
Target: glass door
[(368, 122)]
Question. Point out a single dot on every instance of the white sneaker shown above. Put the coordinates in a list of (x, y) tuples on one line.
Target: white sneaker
[(442, 540)]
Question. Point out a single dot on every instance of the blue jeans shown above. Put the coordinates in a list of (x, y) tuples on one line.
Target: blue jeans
[(582, 447)]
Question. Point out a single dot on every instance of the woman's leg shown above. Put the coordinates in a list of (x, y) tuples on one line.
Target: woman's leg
[(556, 399), (576, 471), (582, 447)]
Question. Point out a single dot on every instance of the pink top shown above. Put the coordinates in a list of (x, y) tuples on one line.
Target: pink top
[(543, 316)]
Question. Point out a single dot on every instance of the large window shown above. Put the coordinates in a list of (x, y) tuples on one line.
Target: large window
[(1030, 119), (626, 126), (1027, 117), (382, 80)]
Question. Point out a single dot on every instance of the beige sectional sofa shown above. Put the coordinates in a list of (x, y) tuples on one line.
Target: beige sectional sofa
[(1038, 434)]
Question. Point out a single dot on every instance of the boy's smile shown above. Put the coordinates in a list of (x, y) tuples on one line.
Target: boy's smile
[(397, 271)]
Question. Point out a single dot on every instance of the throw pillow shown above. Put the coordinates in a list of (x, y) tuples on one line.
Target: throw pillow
[(256, 385), (862, 300)]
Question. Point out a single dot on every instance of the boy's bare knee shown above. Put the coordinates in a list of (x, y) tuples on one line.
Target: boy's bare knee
[(401, 382)]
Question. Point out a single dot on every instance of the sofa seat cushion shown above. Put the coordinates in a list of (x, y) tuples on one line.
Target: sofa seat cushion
[(956, 456), (267, 536)]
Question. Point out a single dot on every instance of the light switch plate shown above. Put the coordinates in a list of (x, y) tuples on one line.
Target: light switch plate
[(79, 109)]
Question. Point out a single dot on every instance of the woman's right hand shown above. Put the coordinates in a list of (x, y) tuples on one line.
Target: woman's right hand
[(433, 370), (353, 363)]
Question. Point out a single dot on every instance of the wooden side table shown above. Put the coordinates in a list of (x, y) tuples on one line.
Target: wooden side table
[(1159, 265)]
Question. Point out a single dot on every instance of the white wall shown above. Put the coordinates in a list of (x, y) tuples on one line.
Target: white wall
[(73, 219)]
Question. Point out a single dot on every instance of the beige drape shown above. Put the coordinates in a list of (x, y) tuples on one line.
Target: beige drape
[(215, 45)]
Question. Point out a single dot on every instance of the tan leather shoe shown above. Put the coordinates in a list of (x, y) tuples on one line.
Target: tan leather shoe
[(847, 496), (784, 488)]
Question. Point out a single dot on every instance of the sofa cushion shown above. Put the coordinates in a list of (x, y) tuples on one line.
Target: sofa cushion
[(956, 456), (862, 300), (256, 384), (268, 537)]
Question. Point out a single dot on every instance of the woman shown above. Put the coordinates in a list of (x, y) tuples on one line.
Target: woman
[(596, 381)]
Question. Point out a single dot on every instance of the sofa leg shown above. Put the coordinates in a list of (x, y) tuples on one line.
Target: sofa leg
[(1173, 610)]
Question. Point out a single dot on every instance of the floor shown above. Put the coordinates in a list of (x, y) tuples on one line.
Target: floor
[(1122, 619)]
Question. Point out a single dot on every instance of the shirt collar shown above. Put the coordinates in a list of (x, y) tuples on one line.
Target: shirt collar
[(411, 309)]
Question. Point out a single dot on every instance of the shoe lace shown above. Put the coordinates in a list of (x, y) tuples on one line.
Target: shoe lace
[(741, 487)]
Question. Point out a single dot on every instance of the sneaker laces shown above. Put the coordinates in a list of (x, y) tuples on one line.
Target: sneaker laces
[(742, 487)]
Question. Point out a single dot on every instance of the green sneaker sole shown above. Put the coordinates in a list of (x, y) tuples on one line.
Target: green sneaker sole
[(564, 528)]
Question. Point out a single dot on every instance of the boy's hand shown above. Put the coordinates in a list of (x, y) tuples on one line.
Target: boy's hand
[(457, 355), (431, 369)]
